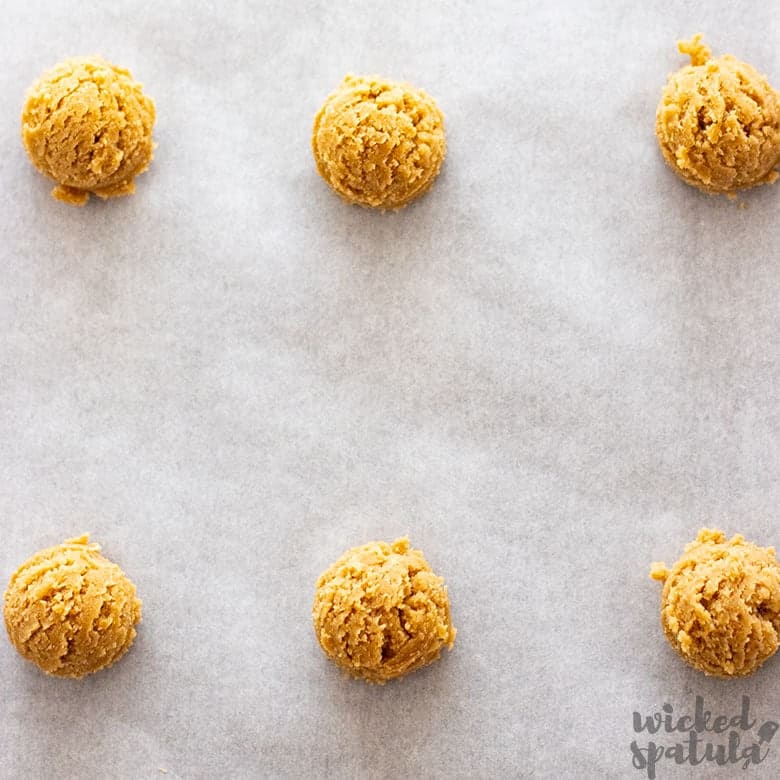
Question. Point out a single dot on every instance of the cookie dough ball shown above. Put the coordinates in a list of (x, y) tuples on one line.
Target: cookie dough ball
[(70, 611), (720, 608), (718, 122), (380, 612), (88, 125), (378, 143)]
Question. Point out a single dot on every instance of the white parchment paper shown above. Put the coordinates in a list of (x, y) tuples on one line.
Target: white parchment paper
[(549, 372)]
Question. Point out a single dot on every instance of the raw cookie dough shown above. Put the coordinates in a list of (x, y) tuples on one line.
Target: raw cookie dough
[(720, 608), (378, 143), (380, 612), (71, 611), (88, 126), (718, 122)]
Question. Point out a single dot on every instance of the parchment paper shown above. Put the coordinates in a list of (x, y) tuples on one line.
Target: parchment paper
[(549, 372)]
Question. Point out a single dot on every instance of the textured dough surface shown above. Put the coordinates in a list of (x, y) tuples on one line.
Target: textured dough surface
[(88, 125), (70, 611), (378, 143), (720, 608), (718, 122), (380, 612)]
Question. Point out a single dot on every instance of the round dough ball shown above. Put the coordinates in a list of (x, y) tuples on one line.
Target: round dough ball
[(720, 608), (378, 143), (380, 612), (718, 122), (70, 611), (88, 125)]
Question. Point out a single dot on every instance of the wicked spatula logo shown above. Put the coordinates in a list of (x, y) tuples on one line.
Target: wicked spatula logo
[(701, 738)]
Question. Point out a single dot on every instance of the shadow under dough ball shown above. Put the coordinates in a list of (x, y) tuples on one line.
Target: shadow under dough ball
[(720, 607), (88, 125), (380, 612), (718, 122), (71, 611), (378, 143)]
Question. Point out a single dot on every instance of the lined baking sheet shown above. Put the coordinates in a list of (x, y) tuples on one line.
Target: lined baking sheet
[(550, 371)]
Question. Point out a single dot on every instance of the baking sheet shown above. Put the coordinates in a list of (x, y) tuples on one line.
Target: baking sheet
[(549, 372)]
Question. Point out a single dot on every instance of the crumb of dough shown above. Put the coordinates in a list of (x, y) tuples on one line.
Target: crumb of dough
[(378, 143), (88, 125), (380, 612), (718, 122), (70, 611), (658, 571), (720, 606)]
